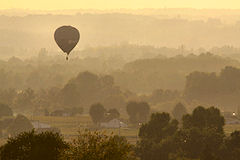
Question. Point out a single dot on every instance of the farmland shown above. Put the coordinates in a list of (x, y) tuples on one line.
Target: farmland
[(70, 126)]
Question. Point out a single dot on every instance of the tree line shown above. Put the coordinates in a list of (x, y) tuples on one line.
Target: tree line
[(211, 88), (125, 63), (77, 95), (197, 136)]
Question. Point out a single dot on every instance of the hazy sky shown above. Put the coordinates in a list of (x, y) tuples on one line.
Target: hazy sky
[(114, 4)]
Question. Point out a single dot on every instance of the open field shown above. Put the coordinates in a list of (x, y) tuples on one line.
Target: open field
[(230, 128), (70, 126)]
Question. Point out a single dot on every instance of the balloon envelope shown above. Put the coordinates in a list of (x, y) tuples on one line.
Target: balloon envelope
[(66, 38)]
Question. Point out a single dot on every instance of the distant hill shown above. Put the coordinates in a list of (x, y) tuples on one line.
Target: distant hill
[(170, 28), (143, 76)]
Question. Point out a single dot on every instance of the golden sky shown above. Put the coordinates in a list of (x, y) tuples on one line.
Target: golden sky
[(115, 4)]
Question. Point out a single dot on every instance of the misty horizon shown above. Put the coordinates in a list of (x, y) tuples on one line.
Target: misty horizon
[(192, 29), (126, 80)]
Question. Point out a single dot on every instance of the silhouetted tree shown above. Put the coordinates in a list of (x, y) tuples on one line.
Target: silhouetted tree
[(200, 138), (132, 111), (33, 146), (88, 88), (159, 127), (178, 111), (95, 145), (143, 111), (204, 118), (138, 111), (231, 148), (70, 94), (222, 89), (196, 143), (97, 113), (202, 134), (155, 137), (19, 124), (159, 96)]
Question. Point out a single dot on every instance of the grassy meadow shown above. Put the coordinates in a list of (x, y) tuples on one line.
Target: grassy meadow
[(70, 126)]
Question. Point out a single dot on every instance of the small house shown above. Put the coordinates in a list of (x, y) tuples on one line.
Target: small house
[(114, 123), (43, 127), (39, 125), (232, 121)]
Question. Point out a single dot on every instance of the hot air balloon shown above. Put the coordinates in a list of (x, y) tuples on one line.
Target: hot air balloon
[(66, 38)]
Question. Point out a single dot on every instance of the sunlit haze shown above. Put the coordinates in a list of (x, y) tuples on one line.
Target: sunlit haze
[(115, 4)]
